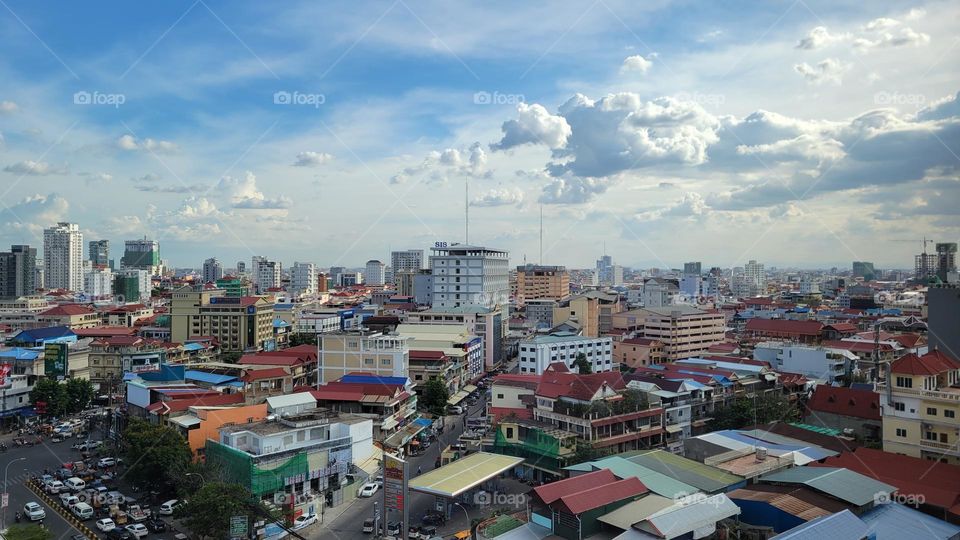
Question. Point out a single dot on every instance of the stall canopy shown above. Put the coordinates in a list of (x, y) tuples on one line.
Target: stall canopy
[(458, 397), (463, 474)]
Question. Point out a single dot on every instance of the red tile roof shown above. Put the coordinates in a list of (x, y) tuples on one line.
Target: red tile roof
[(269, 373), (105, 331), (932, 363), (785, 326), (499, 413), (856, 346), (640, 341), (908, 340), (843, 327), (603, 494), (846, 402), (67, 309), (558, 381), (128, 308), (551, 492), (938, 483)]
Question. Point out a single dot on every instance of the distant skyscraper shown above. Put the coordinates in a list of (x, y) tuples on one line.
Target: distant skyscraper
[(241, 267), (336, 273), (98, 282), (946, 259), (99, 252), (751, 282), (374, 274), (63, 257), (925, 265), (212, 270), (141, 255), (303, 278), (470, 275), (409, 260), (17, 271), (865, 270), (266, 274), (609, 273), (692, 268)]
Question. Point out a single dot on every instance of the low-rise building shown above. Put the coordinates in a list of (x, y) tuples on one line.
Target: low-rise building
[(685, 331), (485, 322), (342, 353), (593, 311), (388, 401), (69, 315), (827, 364), (855, 411), (541, 351), (634, 352), (456, 341)]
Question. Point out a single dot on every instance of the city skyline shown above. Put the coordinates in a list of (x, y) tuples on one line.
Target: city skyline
[(805, 135)]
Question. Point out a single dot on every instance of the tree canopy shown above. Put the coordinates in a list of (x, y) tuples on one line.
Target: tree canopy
[(154, 454), (208, 511), (435, 396), (747, 411), (582, 364)]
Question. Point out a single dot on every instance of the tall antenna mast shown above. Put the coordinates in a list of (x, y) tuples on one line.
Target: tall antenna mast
[(466, 213), (541, 234)]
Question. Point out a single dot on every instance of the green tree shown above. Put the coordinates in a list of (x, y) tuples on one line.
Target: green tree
[(79, 394), (582, 364), (207, 514), (435, 396), (302, 339), (155, 454), (762, 409), (53, 394), (27, 531), (230, 357)]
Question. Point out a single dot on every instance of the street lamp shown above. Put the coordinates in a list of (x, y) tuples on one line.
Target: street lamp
[(203, 480), (5, 494), (467, 515)]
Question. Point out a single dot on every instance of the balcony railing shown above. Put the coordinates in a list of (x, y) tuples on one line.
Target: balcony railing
[(931, 394), (946, 448)]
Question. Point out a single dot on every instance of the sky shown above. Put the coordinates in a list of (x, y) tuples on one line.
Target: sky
[(801, 134)]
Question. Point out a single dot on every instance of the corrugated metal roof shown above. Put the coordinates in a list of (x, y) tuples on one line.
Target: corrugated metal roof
[(897, 522), (291, 400), (703, 477), (680, 520), (463, 474), (636, 511), (841, 526), (843, 484), (657, 482), (211, 378)]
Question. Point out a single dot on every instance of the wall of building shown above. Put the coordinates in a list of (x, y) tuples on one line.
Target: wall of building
[(213, 420)]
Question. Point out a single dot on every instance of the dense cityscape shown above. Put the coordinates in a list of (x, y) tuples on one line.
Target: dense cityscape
[(427, 270)]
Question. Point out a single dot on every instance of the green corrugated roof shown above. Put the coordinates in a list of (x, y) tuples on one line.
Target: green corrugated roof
[(843, 484), (703, 477), (817, 429), (636, 511), (657, 482)]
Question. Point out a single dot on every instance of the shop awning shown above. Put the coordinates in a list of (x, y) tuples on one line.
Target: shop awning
[(463, 474), (469, 388), (405, 435), (458, 397), (673, 428)]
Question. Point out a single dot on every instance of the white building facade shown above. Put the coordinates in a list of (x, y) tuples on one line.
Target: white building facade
[(303, 278), (541, 351), (212, 270), (469, 275), (98, 283), (374, 273), (266, 274), (63, 257)]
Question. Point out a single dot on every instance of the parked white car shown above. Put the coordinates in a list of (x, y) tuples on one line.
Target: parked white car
[(54, 487), (137, 529), (304, 521), (34, 511), (106, 462), (106, 524), (369, 489)]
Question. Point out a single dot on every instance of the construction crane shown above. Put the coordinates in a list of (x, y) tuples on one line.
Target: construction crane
[(924, 241)]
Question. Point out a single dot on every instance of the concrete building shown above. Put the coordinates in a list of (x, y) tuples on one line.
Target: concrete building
[(98, 252), (693, 269), (303, 279), (658, 293), (17, 276), (410, 260), (63, 257), (374, 273), (342, 353), (925, 265), (921, 404), (637, 352), (133, 284), (240, 323), (336, 274), (864, 269), (593, 311), (752, 281), (943, 317), (142, 255), (540, 312), (537, 282), (539, 352), (212, 270), (685, 331), (609, 274), (350, 279), (98, 283), (828, 365), (487, 323), (469, 275), (946, 259), (456, 341), (266, 274)]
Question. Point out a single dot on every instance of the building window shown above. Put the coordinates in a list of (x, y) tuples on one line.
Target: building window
[(932, 411), (948, 413), (930, 435), (499, 396), (384, 361), (901, 432), (898, 406), (904, 382), (509, 432)]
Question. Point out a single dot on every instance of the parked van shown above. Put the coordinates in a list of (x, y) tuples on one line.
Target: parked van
[(167, 508), (83, 511), (75, 484), (54, 486)]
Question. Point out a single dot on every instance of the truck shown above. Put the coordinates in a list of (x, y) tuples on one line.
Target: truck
[(137, 514)]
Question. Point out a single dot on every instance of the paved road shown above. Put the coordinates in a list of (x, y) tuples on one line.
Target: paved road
[(347, 525)]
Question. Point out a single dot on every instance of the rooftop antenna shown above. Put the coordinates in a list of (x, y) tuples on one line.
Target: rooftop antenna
[(466, 212), (541, 234)]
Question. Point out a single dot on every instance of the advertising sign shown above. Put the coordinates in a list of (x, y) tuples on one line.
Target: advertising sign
[(5, 370), (55, 360), (395, 489)]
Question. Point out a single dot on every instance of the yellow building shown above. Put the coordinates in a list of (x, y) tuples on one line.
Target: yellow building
[(684, 331), (921, 405), (593, 311), (240, 323), (342, 353), (536, 282), (73, 316)]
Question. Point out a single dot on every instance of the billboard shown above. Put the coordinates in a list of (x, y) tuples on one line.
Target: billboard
[(55, 360), (395, 490), (5, 369)]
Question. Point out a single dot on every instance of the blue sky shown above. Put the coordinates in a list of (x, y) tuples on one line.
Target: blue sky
[(670, 131)]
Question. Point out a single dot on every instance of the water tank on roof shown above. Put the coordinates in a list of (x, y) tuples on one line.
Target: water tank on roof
[(761, 453)]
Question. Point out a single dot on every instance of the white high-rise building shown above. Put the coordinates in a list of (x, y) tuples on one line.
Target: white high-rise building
[(609, 274), (144, 283), (752, 282), (410, 260), (375, 273), (63, 257), (470, 275), (266, 274), (98, 283), (303, 278), (212, 270)]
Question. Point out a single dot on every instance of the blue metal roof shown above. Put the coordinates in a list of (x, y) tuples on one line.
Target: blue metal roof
[(841, 526), (425, 422), (373, 379), (20, 353), (211, 378), (280, 323), (49, 333), (898, 522), (193, 347)]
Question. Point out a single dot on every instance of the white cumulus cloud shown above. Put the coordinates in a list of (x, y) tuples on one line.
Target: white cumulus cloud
[(312, 159), (498, 197), (534, 125), (635, 64), (29, 167)]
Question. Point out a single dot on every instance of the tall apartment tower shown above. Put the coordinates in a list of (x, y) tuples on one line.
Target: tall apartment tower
[(303, 278), (924, 265), (946, 259), (864, 269), (539, 282), (266, 274), (469, 275), (63, 257), (692, 269), (409, 260), (608, 273), (141, 255), (375, 273), (17, 271), (755, 277), (212, 270), (98, 251)]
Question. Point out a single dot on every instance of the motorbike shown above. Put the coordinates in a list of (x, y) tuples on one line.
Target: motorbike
[(17, 517)]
